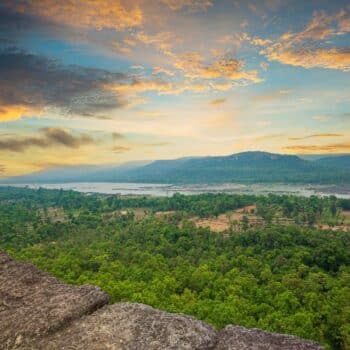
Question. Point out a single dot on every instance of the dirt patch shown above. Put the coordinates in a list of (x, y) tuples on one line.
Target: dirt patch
[(224, 221), (216, 225), (164, 213), (248, 209)]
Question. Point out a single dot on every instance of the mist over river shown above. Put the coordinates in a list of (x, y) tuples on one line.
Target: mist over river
[(188, 189)]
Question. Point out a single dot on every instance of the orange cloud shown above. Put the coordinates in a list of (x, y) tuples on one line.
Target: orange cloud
[(10, 113), (192, 65), (120, 149), (315, 136), (295, 49), (158, 85), (343, 18), (162, 41), (308, 58), (218, 101), (99, 14), (328, 148), (319, 28)]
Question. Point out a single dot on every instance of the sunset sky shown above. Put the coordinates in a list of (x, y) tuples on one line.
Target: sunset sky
[(109, 81)]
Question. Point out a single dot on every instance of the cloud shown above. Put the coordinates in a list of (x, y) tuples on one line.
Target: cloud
[(319, 28), (160, 86), (162, 41), (308, 58), (159, 70), (117, 136), (218, 101), (298, 49), (191, 5), (193, 66), (98, 14), (2, 168), (14, 112), (343, 18), (156, 144), (272, 96), (31, 83), (260, 42), (321, 118), (327, 148), (264, 66), (315, 136), (50, 137), (120, 149)]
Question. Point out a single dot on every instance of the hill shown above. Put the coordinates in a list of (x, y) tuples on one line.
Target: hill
[(340, 162), (245, 167)]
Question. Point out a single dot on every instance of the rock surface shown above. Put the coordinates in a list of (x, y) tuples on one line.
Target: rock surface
[(33, 303), (133, 326), (235, 337), (39, 312)]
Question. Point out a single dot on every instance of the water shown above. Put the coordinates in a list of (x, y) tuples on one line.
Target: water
[(160, 190)]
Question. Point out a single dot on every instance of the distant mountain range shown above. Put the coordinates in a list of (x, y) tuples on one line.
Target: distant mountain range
[(245, 167)]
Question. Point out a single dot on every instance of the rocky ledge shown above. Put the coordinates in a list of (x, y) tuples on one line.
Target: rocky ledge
[(39, 312)]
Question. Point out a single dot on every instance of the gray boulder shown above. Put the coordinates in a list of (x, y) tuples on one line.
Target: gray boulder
[(33, 303), (132, 327), (240, 338)]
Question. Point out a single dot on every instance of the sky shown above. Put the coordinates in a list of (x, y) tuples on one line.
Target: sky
[(111, 81)]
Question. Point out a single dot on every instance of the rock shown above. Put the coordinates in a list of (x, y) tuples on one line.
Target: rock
[(33, 303), (133, 326), (38, 312), (240, 338)]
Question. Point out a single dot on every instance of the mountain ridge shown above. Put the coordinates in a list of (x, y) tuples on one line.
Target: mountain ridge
[(243, 167)]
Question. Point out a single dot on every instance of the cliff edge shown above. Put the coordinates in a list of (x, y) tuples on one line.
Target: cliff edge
[(39, 312)]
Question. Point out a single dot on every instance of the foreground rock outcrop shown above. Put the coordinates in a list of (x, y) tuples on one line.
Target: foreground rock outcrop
[(39, 312), (33, 303)]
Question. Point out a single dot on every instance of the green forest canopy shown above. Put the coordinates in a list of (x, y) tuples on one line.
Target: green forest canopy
[(292, 278)]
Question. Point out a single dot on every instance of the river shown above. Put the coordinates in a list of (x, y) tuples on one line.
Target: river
[(169, 190)]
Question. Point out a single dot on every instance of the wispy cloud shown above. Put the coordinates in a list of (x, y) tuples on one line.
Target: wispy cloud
[(117, 136), (320, 118), (193, 66), (343, 147), (120, 149), (50, 137), (160, 70), (298, 48), (308, 58), (271, 96), (218, 101), (315, 136)]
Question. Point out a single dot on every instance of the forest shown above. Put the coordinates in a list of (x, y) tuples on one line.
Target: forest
[(286, 271)]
